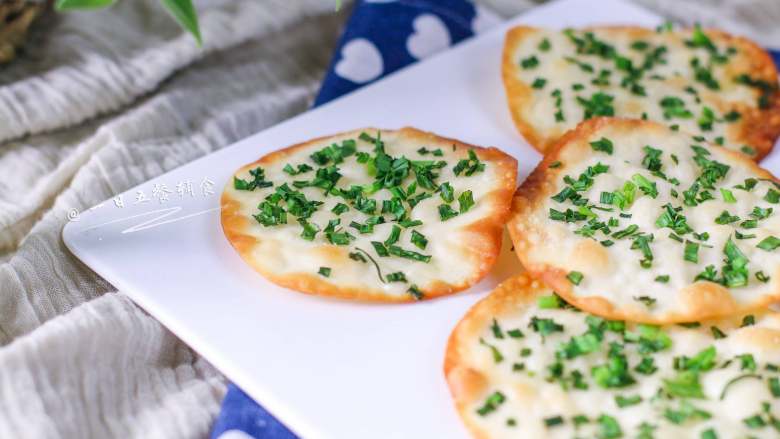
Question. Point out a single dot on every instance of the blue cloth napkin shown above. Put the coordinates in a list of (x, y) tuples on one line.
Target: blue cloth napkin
[(380, 37)]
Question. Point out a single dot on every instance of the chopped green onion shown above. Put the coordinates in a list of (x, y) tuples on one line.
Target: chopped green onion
[(769, 243), (446, 212), (575, 277), (553, 421), (446, 192), (419, 240), (623, 401), (396, 277), (539, 83), (774, 386), (727, 195), (465, 201), (408, 254), (548, 302), (395, 235), (415, 292), (603, 144), (530, 62), (648, 301), (717, 333), (691, 252), (491, 403)]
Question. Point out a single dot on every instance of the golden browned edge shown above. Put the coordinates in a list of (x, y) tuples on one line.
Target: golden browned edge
[(758, 128), (468, 385), (518, 93), (711, 300), (481, 243)]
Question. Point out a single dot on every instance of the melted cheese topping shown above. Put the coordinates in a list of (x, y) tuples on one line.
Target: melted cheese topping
[(281, 249), (616, 272), (538, 405), (671, 76)]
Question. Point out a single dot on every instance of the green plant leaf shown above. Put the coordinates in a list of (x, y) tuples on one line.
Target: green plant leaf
[(184, 14), (67, 5)]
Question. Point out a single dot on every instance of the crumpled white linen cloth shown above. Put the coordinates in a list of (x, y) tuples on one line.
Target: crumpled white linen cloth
[(102, 101)]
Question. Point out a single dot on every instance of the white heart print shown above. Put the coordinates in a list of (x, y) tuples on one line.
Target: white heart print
[(430, 36), (360, 61)]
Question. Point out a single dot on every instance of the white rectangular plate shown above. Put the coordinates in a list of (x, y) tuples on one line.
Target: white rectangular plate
[(326, 368)]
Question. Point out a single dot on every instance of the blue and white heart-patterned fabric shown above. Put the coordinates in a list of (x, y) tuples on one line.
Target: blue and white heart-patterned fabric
[(383, 36), (380, 37)]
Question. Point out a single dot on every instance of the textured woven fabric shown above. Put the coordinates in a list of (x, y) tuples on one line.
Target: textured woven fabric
[(102, 101), (78, 359)]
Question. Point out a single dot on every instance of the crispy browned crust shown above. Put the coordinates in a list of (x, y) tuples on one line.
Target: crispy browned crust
[(705, 300), (466, 384), (518, 93), (481, 239), (759, 128)]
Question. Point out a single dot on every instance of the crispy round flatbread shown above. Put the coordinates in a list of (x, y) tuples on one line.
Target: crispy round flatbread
[(524, 364), (709, 83), (630, 220), (372, 215)]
